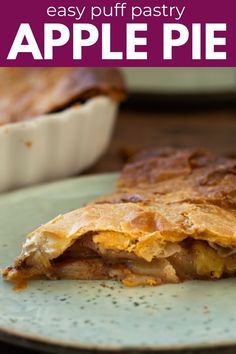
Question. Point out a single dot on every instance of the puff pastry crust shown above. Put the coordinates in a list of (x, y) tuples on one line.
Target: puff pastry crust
[(172, 218), (26, 93)]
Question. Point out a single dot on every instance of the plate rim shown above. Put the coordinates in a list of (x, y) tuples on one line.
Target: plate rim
[(44, 343), (52, 184)]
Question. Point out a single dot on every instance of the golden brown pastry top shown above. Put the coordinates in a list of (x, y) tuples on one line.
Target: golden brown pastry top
[(29, 92), (188, 192), (181, 175)]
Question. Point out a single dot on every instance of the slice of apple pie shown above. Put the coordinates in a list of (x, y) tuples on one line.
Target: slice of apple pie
[(172, 218)]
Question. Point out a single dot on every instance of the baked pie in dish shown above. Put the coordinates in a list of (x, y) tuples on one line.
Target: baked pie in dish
[(47, 118), (27, 93), (172, 218)]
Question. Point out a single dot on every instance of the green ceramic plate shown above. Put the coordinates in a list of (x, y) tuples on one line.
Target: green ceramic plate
[(63, 315)]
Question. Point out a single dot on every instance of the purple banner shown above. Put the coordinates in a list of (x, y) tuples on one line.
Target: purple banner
[(174, 33)]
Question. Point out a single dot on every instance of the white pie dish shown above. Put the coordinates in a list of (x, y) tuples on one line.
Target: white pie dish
[(55, 145)]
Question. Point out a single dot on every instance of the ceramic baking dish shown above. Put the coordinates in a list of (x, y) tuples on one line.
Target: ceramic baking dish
[(55, 145)]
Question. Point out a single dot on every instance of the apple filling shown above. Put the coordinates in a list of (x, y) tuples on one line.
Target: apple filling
[(109, 255), (173, 263)]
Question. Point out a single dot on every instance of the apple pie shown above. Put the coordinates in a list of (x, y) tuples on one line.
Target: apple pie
[(171, 219)]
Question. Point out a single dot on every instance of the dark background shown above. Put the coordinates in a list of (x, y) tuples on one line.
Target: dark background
[(178, 120)]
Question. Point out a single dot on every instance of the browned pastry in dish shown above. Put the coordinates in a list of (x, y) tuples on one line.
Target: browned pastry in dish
[(172, 218), (30, 92)]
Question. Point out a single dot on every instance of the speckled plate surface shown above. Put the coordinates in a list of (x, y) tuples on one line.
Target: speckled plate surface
[(83, 315)]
